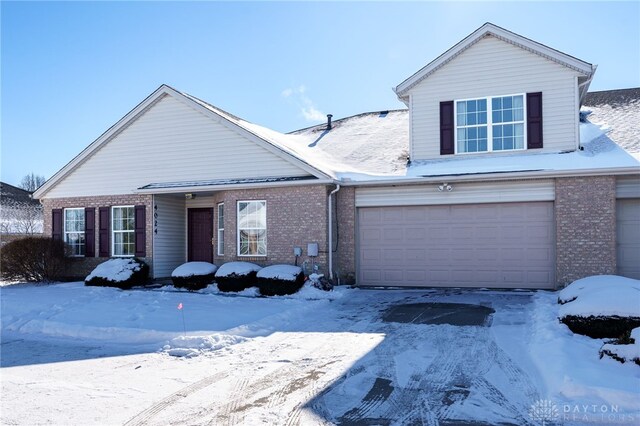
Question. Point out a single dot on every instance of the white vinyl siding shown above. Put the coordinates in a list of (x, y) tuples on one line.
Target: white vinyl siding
[(169, 230), (628, 186), (461, 193), (74, 231), (171, 142), (220, 233), (493, 67)]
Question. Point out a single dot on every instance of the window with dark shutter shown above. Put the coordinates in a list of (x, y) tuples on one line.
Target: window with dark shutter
[(103, 231), (446, 128), (140, 231), (534, 120), (56, 224), (89, 232)]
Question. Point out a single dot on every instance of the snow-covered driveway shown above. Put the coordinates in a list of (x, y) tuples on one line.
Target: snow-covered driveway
[(293, 361)]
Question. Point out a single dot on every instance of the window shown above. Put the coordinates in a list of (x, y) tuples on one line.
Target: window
[(501, 128), (74, 230), (221, 229), (123, 231), (252, 228)]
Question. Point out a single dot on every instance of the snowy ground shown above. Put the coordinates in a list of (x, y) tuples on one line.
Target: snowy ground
[(78, 355)]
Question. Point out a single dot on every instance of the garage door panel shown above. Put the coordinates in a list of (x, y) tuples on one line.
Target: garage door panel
[(487, 245), (628, 237)]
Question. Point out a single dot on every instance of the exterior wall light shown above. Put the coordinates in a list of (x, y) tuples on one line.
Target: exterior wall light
[(445, 186)]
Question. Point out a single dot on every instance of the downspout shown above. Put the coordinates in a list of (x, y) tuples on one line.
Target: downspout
[(331, 231)]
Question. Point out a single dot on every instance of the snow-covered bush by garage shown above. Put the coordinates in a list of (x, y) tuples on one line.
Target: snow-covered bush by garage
[(236, 276), (624, 350), (601, 306), (279, 280), (123, 273), (193, 275)]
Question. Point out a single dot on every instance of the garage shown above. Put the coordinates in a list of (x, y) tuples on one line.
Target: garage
[(628, 237), (499, 245)]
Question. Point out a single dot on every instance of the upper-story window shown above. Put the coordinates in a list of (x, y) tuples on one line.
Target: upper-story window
[(490, 124)]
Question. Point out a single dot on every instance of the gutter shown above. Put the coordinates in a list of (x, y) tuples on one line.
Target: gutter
[(495, 176), (331, 231), (213, 188)]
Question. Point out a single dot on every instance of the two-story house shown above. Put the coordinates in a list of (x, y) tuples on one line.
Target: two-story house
[(488, 179)]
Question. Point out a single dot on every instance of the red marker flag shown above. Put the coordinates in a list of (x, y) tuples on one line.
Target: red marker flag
[(180, 305)]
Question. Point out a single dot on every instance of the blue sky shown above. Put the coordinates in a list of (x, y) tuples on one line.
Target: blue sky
[(71, 70)]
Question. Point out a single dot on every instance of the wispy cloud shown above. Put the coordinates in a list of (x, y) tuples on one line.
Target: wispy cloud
[(307, 108)]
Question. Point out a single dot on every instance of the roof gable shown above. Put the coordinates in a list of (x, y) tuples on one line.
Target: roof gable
[(585, 68), (218, 116)]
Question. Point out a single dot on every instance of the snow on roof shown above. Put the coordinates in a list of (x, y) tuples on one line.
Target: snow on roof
[(618, 110), (218, 182), (375, 145)]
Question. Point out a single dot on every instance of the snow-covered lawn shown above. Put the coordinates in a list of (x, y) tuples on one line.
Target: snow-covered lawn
[(87, 355)]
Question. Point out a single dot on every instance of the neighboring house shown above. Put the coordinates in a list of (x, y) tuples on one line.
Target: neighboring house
[(20, 215), (487, 180)]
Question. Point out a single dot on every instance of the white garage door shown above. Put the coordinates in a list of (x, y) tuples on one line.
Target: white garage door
[(628, 238), (508, 245)]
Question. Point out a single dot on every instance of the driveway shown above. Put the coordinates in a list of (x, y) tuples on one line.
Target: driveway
[(375, 357)]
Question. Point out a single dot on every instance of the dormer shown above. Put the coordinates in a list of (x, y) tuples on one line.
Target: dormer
[(495, 93)]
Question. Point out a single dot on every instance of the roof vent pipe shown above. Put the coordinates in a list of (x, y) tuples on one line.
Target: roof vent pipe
[(329, 121)]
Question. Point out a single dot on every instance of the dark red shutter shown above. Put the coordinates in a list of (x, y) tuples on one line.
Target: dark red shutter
[(534, 120), (56, 224), (446, 128), (103, 231), (89, 232), (141, 226)]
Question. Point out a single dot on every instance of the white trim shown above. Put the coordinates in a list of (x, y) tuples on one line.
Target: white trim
[(488, 28), (132, 115), (64, 228), (489, 124), (218, 229), (113, 231), (238, 228)]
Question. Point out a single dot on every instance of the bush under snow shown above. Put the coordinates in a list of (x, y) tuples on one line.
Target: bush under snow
[(236, 276), (624, 352), (601, 306), (122, 273), (279, 280), (193, 275)]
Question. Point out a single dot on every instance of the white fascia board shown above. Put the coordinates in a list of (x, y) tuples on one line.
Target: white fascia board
[(544, 174), (274, 149), (107, 135), (517, 40), (215, 188)]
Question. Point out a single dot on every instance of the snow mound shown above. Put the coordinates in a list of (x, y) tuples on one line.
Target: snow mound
[(191, 346), (190, 269), (624, 353), (116, 270), (309, 292), (237, 268), (601, 295), (280, 272)]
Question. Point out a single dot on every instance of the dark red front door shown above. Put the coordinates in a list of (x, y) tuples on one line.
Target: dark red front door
[(200, 225)]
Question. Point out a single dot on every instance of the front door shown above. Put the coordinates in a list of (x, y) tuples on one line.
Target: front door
[(200, 235)]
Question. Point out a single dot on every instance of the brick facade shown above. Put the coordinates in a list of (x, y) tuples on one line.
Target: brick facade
[(345, 221), (81, 267), (585, 210), (296, 216)]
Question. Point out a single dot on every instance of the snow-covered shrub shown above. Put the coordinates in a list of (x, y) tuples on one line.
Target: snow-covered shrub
[(624, 349), (278, 280), (320, 282), (193, 275), (236, 276), (34, 259), (123, 273), (601, 306)]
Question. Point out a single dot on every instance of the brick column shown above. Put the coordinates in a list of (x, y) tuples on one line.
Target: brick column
[(585, 210), (345, 218)]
